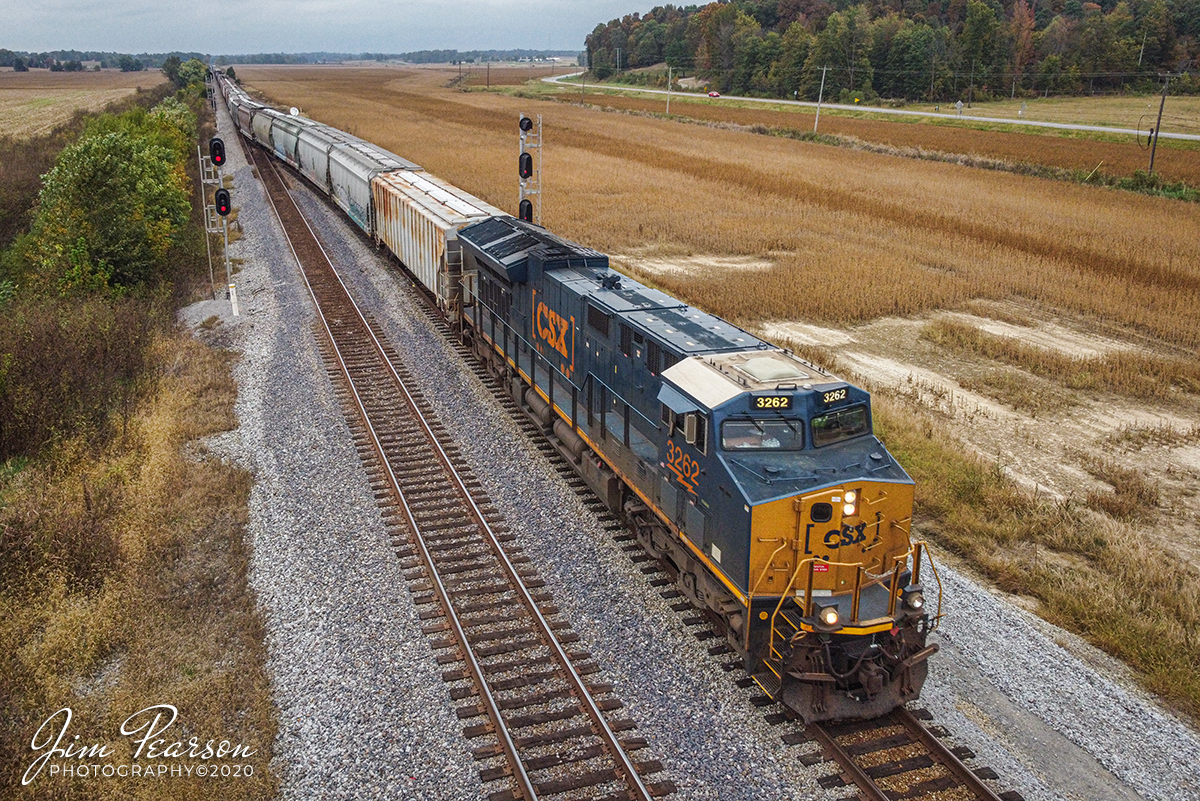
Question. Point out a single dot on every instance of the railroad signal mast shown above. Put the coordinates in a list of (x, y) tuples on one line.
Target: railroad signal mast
[(216, 214), (209, 177), (529, 169)]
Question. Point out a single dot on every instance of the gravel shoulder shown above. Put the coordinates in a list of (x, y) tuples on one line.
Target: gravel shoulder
[(363, 712), (362, 709)]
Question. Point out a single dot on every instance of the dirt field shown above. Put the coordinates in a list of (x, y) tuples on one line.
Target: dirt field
[(34, 102), (866, 261)]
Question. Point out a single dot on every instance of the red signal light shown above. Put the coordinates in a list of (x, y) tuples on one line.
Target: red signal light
[(223, 202), (525, 165), (216, 151)]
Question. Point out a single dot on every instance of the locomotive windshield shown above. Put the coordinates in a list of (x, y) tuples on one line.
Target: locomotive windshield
[(780, 435), (840, 425)]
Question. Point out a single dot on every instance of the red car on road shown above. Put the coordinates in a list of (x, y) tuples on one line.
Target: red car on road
[(714, 94)]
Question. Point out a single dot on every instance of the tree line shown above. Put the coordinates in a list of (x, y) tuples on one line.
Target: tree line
[(933, 50), (72, 60)]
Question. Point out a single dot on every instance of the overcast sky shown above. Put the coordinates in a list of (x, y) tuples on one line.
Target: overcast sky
[(295, 26)]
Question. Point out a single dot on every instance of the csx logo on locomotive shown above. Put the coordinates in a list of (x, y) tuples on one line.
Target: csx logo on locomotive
[(552, 328)]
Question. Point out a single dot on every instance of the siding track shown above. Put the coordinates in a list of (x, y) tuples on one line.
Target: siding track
[(545, 730)]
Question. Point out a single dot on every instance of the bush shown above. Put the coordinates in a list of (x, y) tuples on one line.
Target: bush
[(82, 290), (111, 208), (23, 162)]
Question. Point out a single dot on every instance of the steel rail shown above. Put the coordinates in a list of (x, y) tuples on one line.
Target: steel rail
[(579, 690), (937, 751), (944, 755), (846, 762)]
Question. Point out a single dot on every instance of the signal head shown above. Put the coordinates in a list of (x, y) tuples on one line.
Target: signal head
[(525, 210), (526, 124), (223, 202), (216, 151)]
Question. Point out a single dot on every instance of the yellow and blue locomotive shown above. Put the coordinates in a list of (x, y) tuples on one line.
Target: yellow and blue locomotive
[(754, 475)]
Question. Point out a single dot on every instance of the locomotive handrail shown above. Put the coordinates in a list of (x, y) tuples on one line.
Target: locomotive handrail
[(581, 386), (750, 596), (894, 590), (938, 578)]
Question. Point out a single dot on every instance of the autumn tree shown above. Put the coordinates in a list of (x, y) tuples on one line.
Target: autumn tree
[(844, 47), (112, 206)]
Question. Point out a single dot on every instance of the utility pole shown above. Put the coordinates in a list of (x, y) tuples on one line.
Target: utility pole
[(489, 74), (618, 61), (971, 91), (820, 97), (1142, 52), (1154, 144), (668, 90)]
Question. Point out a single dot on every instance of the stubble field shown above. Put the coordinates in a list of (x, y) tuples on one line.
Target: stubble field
[(1032, 344), (33, 102), (1173, 161)]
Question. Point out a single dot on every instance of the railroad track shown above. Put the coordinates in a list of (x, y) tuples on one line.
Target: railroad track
[(891, 758), (545, 730), (886, 759), (897, 757)]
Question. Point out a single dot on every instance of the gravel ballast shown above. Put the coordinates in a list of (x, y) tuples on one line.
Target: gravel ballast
[(363, 712)]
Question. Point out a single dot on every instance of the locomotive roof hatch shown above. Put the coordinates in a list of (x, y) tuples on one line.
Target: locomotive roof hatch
[(691, 332), (697, 378), (509, 247)]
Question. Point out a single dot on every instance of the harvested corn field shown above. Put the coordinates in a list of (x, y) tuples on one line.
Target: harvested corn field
[(873, 263)]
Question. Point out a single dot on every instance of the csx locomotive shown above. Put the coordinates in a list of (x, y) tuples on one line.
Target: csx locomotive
[(752, 474)]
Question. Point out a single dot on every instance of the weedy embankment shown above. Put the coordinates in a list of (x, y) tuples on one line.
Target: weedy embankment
[(1086, 565), (123, 563)]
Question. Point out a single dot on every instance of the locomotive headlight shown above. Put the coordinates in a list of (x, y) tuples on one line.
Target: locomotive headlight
[(851, 504), (828, 615), (914, 597), (848, 510)]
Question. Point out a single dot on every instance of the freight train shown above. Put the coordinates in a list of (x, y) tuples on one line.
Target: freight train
[(753, 475)]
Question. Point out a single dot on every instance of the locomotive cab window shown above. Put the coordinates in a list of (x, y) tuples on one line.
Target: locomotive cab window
[(762, 435), (840, 425)]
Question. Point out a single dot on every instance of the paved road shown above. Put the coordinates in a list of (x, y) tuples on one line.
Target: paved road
[(905, 112)]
